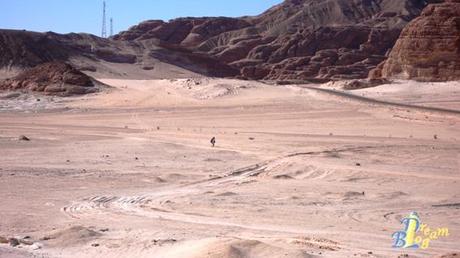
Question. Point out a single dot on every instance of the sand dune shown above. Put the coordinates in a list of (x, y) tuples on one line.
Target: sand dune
[(296, 172)]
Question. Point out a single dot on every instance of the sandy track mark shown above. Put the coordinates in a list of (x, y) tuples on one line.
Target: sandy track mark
[(143, 205)]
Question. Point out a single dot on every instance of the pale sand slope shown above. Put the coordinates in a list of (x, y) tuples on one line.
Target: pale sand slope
[(132, 171), (428, 94), (440, 94)]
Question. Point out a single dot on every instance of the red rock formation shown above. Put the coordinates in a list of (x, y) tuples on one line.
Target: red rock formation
[(55, 78), (298, 39), (429, 47), (295, 40)]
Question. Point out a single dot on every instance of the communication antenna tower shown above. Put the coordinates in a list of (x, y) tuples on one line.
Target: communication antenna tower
[(111, 27), (104, 25)]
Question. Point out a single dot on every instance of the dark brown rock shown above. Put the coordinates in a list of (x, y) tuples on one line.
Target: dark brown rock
[(23, 138), (55, 78), (14, 242), (25, 49)]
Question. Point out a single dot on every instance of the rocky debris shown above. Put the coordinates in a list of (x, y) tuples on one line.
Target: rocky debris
[(428, 48), (161, 242), (14, 242), (55, 78), (362, 84), (72, 236), (36, 246), (26, 241), (18, 241), (23, 138)]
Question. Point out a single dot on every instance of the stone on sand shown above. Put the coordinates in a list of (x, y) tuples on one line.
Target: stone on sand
[(24, 138), (14, 242)]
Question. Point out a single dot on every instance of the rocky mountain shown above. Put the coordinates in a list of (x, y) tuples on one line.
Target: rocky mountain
[(27, 49), (24, 49), (428, 48), (298, 39), (295, 40)]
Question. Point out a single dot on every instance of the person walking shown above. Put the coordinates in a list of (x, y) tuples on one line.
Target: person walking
[(213, 141)]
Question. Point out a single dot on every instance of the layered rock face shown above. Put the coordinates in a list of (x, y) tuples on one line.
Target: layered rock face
[(429, 47), (54, 78), (295, 40), (298, 39)]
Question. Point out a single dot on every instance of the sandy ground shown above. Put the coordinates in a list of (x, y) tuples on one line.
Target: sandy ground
[(296, 172), (437, 94)]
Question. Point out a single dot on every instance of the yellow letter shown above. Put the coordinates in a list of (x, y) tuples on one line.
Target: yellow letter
[(422, 227), (412, 226), (426, 243), (443, 232), (427, 231)]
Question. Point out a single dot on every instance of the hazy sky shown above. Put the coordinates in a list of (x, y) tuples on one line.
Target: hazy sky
[(65, 16)]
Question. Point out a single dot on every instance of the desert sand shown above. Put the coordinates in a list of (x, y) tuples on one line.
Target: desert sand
[(296, 171)]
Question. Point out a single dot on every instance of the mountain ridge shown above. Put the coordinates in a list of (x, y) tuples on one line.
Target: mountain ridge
[(294, 40)]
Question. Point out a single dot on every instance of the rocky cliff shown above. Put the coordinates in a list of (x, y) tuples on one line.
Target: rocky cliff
[(298, 39), (295, 40), (429, 47)]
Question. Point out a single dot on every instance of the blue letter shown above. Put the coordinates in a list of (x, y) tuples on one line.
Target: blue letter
[(399, 239)]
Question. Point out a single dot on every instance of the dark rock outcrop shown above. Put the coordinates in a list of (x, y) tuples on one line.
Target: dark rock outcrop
[(54, 78), (428, 48), (25, 49)]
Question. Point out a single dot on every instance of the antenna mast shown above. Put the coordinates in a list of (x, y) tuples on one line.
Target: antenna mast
[(111, 27), (104, 25)]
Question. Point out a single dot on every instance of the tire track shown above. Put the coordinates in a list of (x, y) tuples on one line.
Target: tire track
[(144, 205)]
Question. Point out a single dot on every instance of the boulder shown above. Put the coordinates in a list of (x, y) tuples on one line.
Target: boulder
[(54, 78), (14, 242)]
